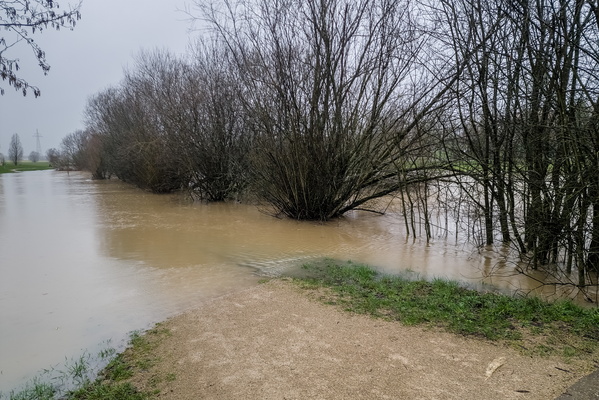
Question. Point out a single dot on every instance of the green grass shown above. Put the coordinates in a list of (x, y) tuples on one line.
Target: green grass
[(24, 166), (102, 391), (534, 325), (137, 356), (112, 382), (77, 379), (35, 390)]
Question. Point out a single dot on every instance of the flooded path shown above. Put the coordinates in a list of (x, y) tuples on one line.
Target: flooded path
[(83, 262)]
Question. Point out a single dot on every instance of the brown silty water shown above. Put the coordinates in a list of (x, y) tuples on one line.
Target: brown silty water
[(83, 262)]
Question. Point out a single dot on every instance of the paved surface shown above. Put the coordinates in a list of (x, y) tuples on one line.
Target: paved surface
[(586, 388)]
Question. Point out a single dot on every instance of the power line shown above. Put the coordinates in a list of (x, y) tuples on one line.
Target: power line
[(38, 146)]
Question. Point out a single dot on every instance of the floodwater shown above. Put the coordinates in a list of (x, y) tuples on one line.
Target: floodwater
[(83, 262)]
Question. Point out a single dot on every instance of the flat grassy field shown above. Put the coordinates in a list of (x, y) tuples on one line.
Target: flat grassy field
[(24, 166)]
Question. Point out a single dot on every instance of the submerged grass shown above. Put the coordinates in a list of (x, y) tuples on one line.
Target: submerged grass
[(113, 381), (35, 390), (78, 380), (102, 391), (535, 326)]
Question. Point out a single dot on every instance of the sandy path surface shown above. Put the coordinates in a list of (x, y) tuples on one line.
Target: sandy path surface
[(275, 342)]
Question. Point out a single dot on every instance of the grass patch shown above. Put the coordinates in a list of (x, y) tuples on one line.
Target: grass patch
[(79, 380), (24, 166), (536, 326), (101, 391), (137, 356), (113, 381), (36, 389)]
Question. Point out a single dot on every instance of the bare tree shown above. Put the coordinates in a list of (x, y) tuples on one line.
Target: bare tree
[(322, 86), (524, 139), (34, 156), (173, 124), (53, 157), (94, 156), (15, 149), (20, 20), (130, 121), (72, 151), (217, 138), (107, 117)]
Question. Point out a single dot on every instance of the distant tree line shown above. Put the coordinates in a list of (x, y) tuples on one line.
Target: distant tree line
[(487, 109)]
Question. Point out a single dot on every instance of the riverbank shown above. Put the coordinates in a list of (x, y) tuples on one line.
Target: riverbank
[(279, 340)]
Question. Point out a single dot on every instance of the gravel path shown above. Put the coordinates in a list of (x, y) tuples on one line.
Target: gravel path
[(275, 342)]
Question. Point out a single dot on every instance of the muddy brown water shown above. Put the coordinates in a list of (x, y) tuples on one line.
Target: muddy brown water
[(86, 262)]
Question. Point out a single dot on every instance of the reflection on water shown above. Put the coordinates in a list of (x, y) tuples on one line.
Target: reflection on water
[(85, 261)]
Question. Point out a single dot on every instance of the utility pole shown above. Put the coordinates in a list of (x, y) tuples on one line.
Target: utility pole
[(38, 146)]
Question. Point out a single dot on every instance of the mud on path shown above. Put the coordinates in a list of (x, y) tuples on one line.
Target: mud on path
[(276, 342)]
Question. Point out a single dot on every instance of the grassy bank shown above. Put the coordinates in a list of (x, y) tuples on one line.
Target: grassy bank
[(24, 166), (530, 324)]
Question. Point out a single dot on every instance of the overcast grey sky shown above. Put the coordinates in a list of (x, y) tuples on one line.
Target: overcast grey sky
[(85, 61)]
